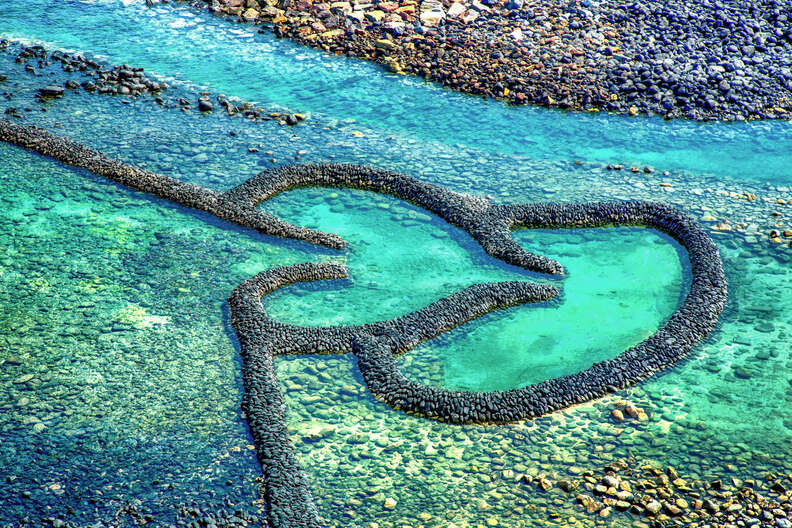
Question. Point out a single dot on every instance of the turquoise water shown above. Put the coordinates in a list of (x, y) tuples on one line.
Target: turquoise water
[(621, 284), (176, 41), (114, 302), (616, 295)]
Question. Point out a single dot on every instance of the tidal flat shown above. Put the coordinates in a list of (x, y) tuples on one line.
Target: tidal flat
[(121, 376)]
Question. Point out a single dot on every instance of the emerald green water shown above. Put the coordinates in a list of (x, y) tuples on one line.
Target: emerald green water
[(621, 284), (616, 295), (119, 372)]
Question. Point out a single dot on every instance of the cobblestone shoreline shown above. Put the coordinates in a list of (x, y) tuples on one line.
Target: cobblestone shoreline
[(676, 59)]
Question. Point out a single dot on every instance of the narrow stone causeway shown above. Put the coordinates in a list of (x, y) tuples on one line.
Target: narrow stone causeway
[(376, 345)]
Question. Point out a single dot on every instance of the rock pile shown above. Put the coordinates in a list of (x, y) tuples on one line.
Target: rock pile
[(626, 411), (128, 81), (678, 59), (662, 496), (235, 108), (120, 80), (375, 345)]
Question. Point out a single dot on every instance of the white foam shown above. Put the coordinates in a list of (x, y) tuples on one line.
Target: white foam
[(181, 23)]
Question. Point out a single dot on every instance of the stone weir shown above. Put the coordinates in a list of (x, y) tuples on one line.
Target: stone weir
[(376, 345)]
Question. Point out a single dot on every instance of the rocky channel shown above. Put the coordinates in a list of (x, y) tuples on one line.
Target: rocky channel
[(375, 345)]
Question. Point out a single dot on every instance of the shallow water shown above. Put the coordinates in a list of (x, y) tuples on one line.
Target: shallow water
[(176, 41), (114, 302), (622, 284)]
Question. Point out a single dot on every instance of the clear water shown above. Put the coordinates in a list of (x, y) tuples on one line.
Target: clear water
[(176, 42), (621, 284), (114, 302), (616, 295)]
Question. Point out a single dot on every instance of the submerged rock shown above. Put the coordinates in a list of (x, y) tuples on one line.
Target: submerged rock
[(204, 105), (52, 90), (742, 372), (24, 379)]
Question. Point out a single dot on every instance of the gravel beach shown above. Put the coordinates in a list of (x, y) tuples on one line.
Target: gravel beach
[(701, 60)]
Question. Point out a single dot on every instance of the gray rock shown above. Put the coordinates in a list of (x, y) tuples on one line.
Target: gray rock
[(52, 90), (653, 508)]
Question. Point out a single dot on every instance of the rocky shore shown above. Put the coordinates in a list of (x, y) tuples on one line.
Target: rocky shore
[(701, 60), (663, 497), (96, 77)]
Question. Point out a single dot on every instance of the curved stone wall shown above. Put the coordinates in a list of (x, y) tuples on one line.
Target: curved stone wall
[(690, 323), (376, 345), (262, 338)]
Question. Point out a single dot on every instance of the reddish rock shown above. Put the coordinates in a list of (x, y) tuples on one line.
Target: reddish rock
[(388, 7)]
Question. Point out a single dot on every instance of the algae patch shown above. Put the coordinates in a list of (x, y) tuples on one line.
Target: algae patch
[(137, 317)]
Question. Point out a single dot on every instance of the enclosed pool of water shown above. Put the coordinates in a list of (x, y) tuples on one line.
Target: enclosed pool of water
[(120, 375)]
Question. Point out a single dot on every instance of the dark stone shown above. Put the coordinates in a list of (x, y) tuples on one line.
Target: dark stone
[(778, 487), (53, 90), (568, 485), (742, 372)]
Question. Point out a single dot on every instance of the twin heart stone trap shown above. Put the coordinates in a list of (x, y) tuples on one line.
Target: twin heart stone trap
[(376, 345)]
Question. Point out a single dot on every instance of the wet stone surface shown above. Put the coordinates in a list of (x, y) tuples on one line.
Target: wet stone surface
[(666, 498)]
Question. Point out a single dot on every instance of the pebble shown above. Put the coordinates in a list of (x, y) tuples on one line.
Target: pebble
[(204, 105), (23, 379), (12, 360), (672, 58)]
